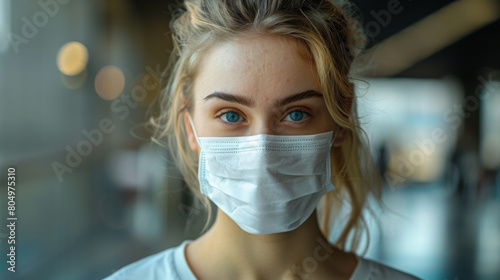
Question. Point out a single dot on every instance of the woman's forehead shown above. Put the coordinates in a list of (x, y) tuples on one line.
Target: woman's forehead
[(264, 65)]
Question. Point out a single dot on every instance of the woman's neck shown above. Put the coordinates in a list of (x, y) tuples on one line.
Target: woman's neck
[(229, 251)]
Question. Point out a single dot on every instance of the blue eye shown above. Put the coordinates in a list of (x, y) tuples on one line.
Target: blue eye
[(230, 117), (296, 116)]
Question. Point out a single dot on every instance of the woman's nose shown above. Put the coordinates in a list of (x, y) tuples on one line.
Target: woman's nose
[(262, 127)]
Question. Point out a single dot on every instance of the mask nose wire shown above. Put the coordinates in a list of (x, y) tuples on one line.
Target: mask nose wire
[(194, 130)]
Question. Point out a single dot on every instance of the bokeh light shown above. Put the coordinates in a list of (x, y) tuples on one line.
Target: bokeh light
[(109, 82), (72, 58)]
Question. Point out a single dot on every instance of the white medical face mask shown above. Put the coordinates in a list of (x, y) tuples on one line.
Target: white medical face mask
[(265, 183)]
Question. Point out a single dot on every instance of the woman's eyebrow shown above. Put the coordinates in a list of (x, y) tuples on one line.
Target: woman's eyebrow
[(250, 103), (231, 98), (297, 97)]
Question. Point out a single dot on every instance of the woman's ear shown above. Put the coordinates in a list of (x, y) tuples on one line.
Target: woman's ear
[(193, 144)]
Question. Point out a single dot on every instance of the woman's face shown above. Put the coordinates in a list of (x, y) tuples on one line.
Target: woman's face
[(258, 85)]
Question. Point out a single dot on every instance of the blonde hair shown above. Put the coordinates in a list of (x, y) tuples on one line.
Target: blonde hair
[(333, 39)]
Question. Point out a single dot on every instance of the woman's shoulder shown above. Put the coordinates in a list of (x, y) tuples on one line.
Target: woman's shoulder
[(369, 269), (162, 265)]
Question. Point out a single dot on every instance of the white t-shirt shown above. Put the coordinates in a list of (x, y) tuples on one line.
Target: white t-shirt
[(171, 264)]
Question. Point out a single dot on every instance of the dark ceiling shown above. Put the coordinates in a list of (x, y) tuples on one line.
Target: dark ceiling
[(465, 58), (412, 11)]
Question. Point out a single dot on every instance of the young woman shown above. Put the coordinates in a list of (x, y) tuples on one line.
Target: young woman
[(259, 112)]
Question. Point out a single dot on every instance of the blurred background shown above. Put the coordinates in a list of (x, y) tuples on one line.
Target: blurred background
[(93, 194)]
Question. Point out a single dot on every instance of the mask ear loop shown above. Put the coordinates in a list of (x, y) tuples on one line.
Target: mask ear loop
[(335, 135), (194, 130)]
